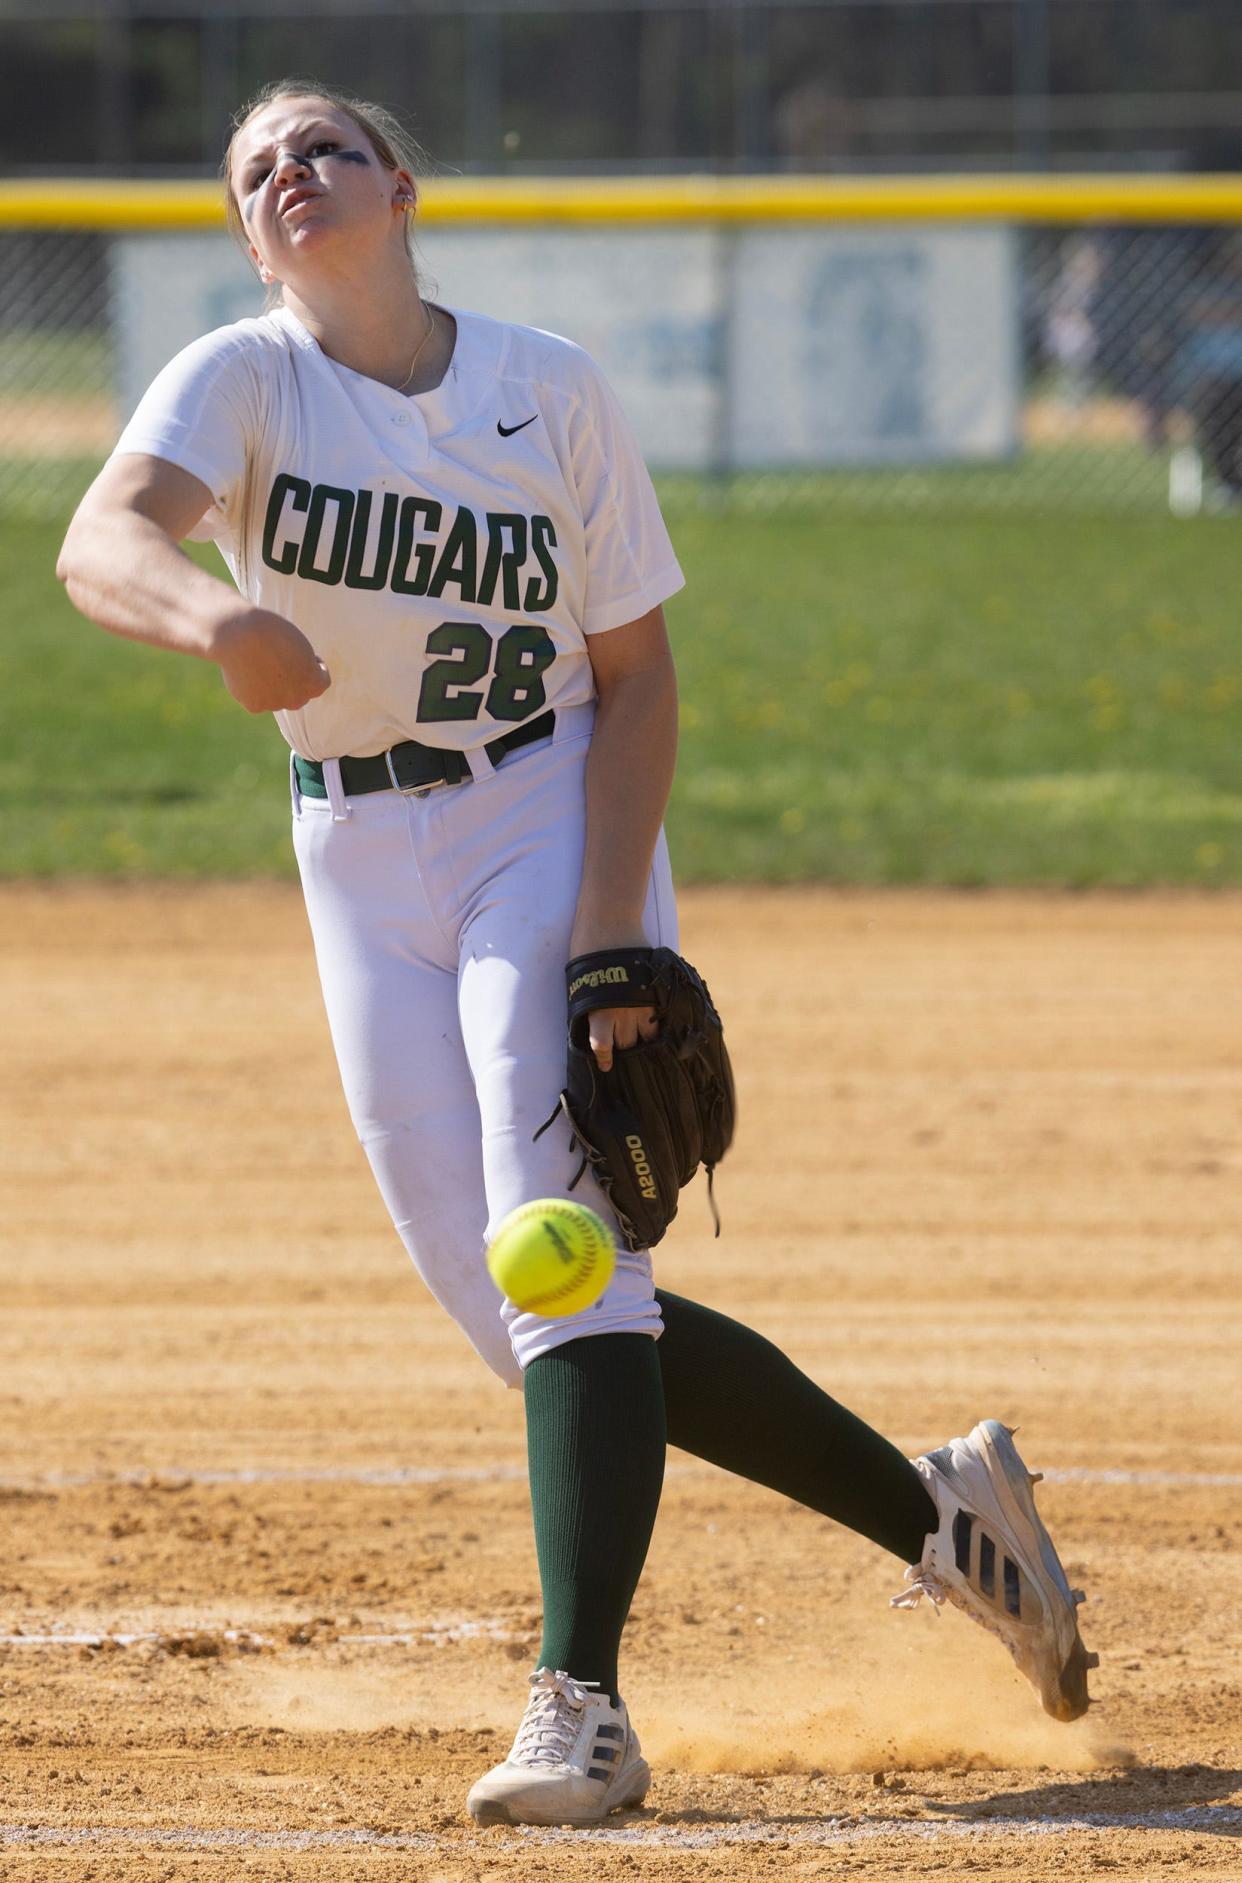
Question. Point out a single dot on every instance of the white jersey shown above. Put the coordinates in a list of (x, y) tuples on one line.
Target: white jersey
[(447, 554)]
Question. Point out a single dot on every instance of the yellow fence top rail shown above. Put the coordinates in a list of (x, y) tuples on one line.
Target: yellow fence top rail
[(98, 203)]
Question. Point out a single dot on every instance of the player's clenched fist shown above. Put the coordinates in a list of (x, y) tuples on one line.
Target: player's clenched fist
[(268, 665)]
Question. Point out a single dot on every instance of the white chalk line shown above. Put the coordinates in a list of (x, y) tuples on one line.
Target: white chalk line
[(1084, 1474), (395, 1476), (172, 1477), (1225, 1820), (418, 1634)]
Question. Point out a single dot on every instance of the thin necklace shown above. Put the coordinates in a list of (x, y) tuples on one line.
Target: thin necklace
[(431, 327)]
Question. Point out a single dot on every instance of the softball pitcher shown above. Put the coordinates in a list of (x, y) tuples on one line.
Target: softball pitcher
[(449, 567)]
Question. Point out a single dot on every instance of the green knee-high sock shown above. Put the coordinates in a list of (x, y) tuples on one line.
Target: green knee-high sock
[(595, 1446), (734, 1398)]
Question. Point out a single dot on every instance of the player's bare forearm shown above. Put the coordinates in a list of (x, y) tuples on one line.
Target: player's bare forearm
[(124, 572), (629, 776), (123, 566)]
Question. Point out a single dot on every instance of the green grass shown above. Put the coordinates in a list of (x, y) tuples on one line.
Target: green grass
[(960, 699), (1082, 478), (969, 701), (116, 759)]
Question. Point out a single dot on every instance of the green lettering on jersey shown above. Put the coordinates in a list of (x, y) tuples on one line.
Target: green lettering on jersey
[(284, 560), (459, 558), (403, 552), (321, 497), (411, 509), (542, 596), (354, 575), (467, 650), (502, 561), (523, 655)]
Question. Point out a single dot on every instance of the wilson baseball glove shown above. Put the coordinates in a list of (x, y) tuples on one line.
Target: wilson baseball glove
[(667, 1105)]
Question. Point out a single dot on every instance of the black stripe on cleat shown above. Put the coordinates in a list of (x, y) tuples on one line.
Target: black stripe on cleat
[(963, 1525), (987, 1565)]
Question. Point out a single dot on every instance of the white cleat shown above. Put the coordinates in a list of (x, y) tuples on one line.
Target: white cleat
[(992, 1558), (575, 1758)]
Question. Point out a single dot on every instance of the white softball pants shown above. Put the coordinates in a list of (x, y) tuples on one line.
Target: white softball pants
[(441, 928)]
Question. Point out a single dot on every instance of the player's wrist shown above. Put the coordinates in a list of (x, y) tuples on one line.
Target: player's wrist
[(241, 631), (221, 628), (593, 935)]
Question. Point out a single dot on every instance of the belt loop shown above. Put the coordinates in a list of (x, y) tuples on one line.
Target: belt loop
[(574, 722), (295, 789), (478, 763), (336, 790)]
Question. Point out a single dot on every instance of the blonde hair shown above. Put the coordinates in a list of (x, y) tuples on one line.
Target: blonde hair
[(388, 137)]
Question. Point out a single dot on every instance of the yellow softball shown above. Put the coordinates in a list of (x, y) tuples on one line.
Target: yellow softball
[(552, 1257)]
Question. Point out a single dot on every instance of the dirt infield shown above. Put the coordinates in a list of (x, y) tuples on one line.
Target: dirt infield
[(273, 1512)]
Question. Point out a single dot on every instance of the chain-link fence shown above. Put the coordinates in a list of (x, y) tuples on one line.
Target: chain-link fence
[(1085, 367), (148, 87)]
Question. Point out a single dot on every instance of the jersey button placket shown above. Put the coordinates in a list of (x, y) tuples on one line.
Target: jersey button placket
[(411, 445)]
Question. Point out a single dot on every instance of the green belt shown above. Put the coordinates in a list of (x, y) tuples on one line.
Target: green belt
[(411, 767)]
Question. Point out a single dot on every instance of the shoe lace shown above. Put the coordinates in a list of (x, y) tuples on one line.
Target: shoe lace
[(925, 1582), (921, 1582), (552, 1719)]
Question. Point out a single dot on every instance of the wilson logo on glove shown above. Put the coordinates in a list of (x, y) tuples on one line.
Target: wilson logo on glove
[(600, 977)]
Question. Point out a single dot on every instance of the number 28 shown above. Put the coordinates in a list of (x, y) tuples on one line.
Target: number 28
[(522, 656)]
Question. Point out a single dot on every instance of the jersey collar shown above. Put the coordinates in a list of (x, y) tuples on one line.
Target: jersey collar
[(469, 379)]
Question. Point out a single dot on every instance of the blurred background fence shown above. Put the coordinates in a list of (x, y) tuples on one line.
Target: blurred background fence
[(842, 86), (911, 253), (1011, 343)]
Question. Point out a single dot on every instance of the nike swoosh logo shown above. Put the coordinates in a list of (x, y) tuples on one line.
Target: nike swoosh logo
[(507, 431)]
